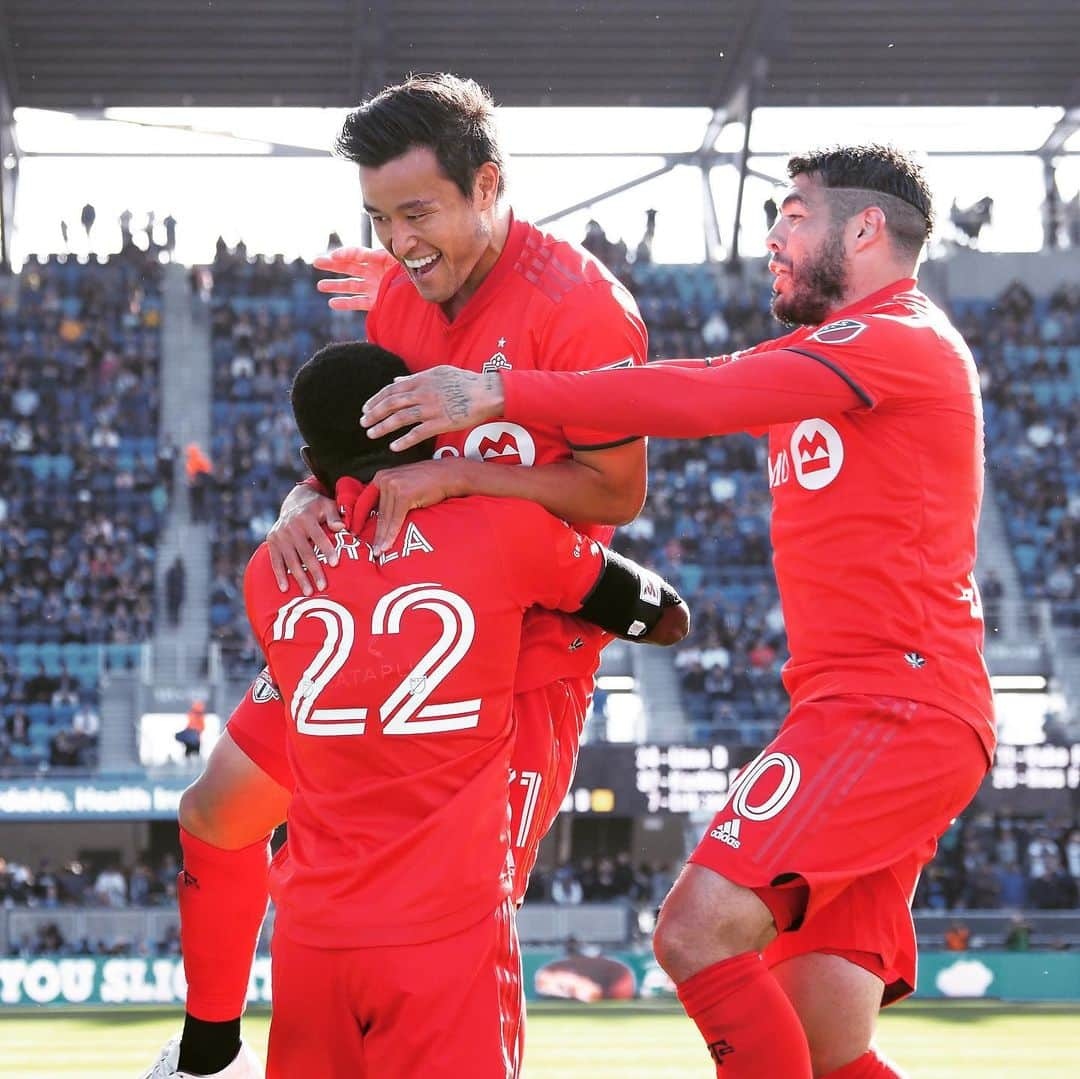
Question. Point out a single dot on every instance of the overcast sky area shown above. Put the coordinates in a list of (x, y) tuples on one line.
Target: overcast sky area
[(291, 204)]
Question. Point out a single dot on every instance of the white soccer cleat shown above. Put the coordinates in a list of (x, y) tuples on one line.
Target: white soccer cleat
[(245, 1066)]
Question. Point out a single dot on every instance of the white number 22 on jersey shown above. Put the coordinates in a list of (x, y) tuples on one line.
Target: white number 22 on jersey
[(405, 710)]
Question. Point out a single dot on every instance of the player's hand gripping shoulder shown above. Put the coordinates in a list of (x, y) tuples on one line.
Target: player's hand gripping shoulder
[(435, 401), (298, 532), (364, 269)]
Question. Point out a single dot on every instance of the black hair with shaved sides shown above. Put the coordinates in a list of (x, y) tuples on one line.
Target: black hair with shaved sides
[(451, 116), (869, 175), (328, 395)]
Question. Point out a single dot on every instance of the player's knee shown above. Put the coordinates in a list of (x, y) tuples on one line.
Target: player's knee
[(203, 813), (705, 920), (194, 813)]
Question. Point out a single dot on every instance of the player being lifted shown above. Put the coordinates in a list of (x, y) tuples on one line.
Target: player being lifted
[(874, 418), (472, 285), (395, 952)]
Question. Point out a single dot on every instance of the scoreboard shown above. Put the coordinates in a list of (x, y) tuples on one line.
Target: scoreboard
[(632, 780)]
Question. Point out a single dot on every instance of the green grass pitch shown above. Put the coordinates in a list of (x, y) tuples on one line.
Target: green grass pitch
[(931, 1041)]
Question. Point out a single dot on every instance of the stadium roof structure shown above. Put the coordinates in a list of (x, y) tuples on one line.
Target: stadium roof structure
[(70, 54), (727, 55)]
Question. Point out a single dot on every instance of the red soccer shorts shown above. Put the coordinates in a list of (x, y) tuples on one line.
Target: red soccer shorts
[(846, 804), (549, 724), (442, 1010)]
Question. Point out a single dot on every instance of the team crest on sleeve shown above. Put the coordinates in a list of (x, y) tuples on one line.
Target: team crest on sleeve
[(839, 333), (264, 689)]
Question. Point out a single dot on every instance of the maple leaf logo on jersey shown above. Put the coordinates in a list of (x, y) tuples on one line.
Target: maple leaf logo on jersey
[(917, 662), (839, 333), (813, 452)]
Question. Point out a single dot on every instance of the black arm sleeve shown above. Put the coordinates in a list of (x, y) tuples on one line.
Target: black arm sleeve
[(628, 599)]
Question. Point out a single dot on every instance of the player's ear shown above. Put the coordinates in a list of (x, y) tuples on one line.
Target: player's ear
[(870, 226), (486, 185)]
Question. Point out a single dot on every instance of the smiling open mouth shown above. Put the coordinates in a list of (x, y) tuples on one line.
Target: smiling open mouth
[(420, 268)]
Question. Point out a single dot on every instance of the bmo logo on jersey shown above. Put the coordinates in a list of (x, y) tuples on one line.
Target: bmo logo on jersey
[(817, 454), (506, 443)]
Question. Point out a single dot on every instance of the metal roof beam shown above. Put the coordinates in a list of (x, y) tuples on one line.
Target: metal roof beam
[(1065, 128), (9, 145), (585, 204)]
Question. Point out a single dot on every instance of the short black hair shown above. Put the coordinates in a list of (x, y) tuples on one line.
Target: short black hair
[(453, 117), (328, 395), (851, 173)]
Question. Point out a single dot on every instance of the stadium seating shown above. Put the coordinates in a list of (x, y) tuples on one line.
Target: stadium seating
[(1028, 353), (82, 504), (267, 320)]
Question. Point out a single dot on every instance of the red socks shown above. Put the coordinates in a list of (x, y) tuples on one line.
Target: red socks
[(747, 1021), (868, 1066), (223, 896)]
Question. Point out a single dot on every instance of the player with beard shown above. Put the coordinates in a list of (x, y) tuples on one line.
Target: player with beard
[(791, 927)]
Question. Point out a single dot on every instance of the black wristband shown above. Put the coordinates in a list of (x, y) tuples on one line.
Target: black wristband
[(628, 599)]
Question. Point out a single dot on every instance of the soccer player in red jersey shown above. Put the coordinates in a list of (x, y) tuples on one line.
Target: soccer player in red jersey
[(394, 946), (471, 284), (874, 417)]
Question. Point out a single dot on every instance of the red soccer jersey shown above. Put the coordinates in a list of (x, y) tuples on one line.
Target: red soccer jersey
[(398, 681), (876, 503), (546, 305)]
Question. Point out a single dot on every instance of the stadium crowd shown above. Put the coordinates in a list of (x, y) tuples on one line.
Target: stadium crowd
[(1028, 353), (83, 498), (267, 320), (985, 862)]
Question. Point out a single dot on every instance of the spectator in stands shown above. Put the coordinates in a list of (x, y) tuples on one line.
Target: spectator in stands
[(170, 235), (169, 945), (1012, 885), (1041, 851), (40, 687), (1072, 854), (957, 937), (566, 889), (643, 252), (199, 471), (140, 886), (191, 736), (1018, 938), (73, 884), (49, 940), (88, 217), (175, 589), (64, 749), (992, 590), (110, 888), (1051, 887), (125, 229), (166, 464), (86, 725)]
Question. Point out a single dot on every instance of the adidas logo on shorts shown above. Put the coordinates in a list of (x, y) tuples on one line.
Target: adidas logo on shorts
[(728, 833)]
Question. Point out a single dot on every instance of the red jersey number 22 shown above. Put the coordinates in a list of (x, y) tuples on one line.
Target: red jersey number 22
[(405, 711)]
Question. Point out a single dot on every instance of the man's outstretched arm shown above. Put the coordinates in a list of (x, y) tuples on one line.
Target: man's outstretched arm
[(780, 386)]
